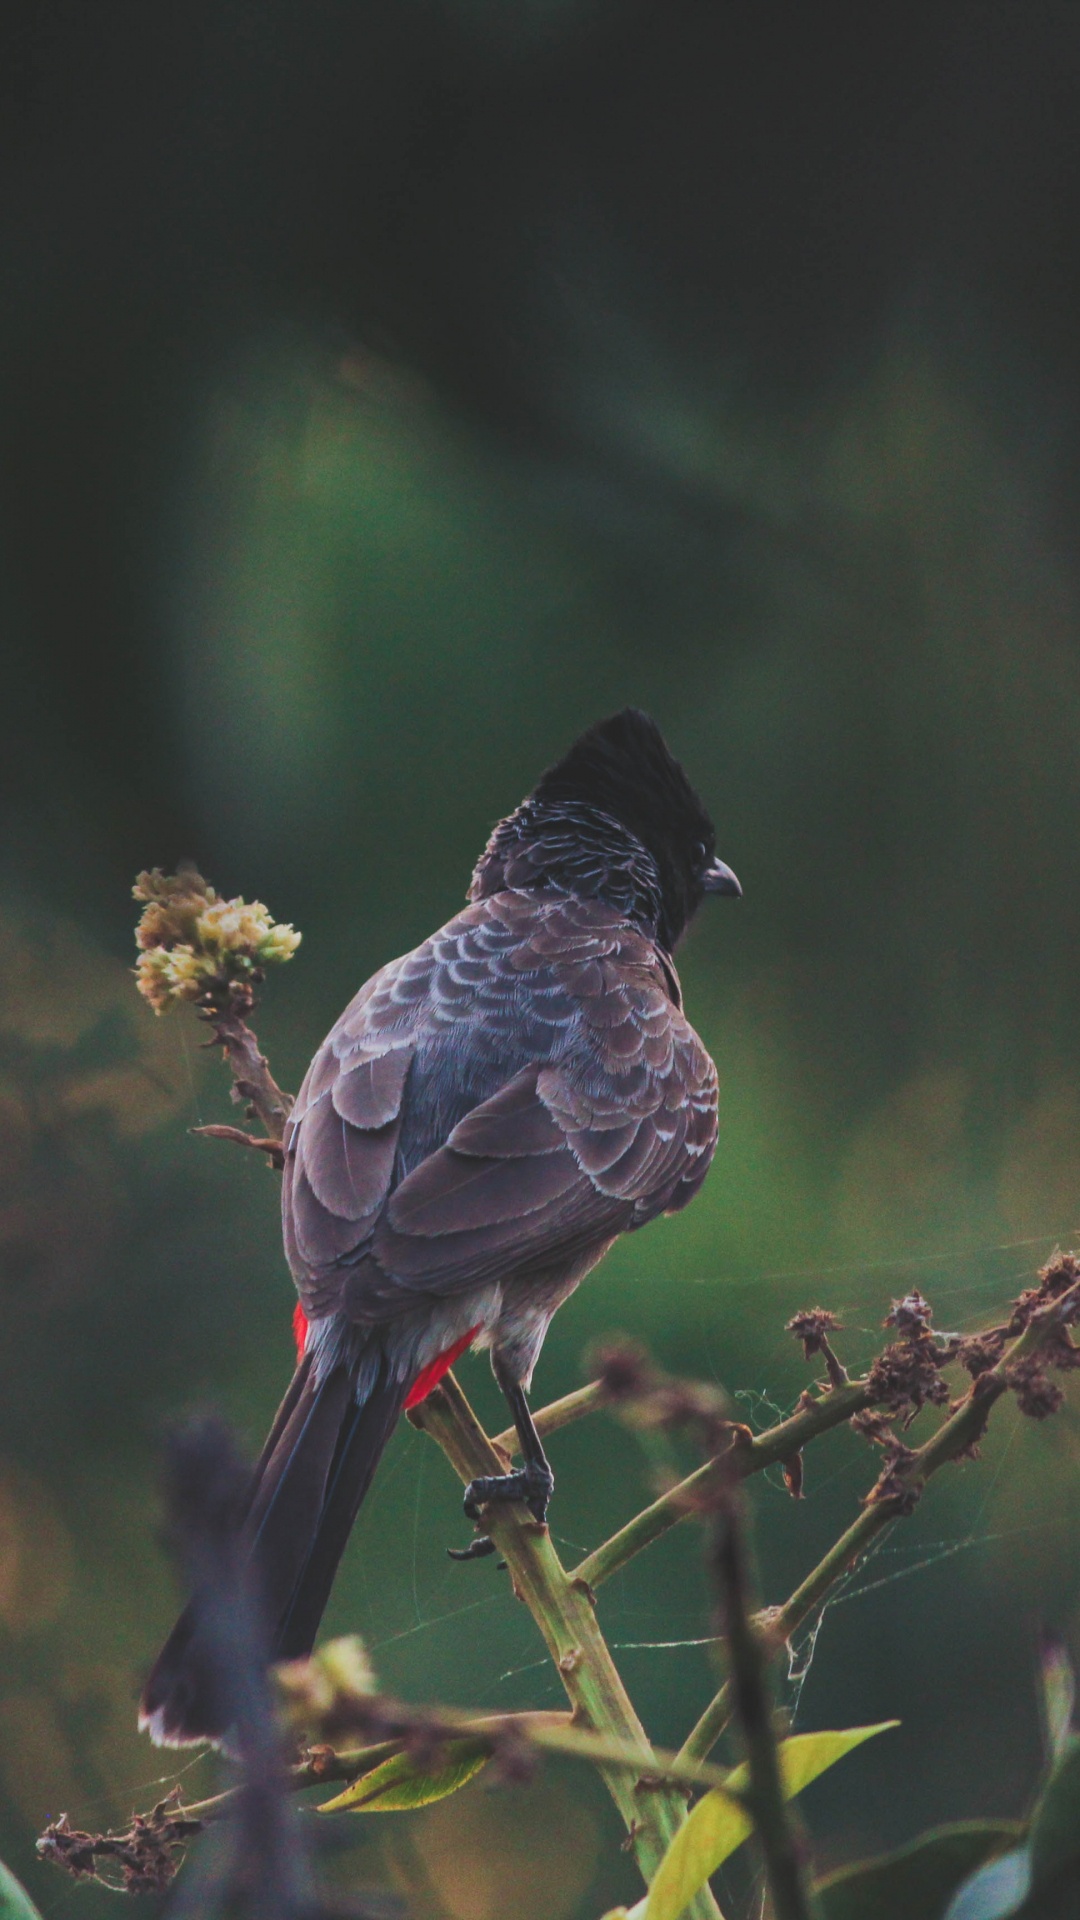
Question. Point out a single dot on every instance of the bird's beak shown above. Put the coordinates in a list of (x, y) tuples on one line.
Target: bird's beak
[(719, 879)]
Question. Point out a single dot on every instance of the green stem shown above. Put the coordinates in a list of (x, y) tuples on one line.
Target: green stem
[(560, 1413), (750, 1455), (563, 1611)]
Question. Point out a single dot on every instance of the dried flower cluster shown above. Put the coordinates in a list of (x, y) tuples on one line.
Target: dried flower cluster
[(811, 1327), (197, 947), (907, 1376), (146, 1856), (1036, 1394)]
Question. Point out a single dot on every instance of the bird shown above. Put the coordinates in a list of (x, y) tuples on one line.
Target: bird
[(489, 1114)]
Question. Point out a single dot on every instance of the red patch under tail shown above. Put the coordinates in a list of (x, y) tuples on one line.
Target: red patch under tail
[(300, 1331), (429, 1376)]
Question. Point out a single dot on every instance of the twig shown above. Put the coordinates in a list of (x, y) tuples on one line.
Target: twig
[(241, 1139), (149, 1852), (558, 1414), (896, 1495), (253, 1081)]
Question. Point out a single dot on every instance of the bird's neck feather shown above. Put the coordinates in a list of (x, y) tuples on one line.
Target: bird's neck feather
[(572, 847)]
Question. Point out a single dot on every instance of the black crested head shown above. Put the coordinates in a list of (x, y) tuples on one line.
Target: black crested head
[(617, 820)]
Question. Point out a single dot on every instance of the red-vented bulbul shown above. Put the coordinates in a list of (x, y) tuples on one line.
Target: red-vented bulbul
[(486, 1117)]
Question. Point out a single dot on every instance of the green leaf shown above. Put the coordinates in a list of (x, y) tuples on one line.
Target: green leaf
[(995, 1891), (718, 1824), (1040, 1881), (915, 1882), (15, 1902), (1055, 1824), (400, 1783)]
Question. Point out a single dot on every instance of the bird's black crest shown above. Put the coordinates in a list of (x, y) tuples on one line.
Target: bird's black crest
[(615, 819), (624, 766)]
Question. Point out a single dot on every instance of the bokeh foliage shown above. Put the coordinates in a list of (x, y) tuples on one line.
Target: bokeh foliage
[(387, 392)]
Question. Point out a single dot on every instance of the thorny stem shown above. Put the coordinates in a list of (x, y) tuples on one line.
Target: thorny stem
[(751, 1453), (563, 1610), (954, 1438), (253, 1081), (748, 1660)]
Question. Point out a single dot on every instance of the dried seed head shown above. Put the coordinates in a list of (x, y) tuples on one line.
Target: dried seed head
[(1036, 1394), (911, 1316), (811, 1327), (873, 1426), (981, 1352), (907, 1375), (1059, 1274)]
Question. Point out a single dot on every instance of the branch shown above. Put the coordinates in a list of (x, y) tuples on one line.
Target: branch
[(239, 1138), (751, 1453), (562, 1608), (906, 1474)]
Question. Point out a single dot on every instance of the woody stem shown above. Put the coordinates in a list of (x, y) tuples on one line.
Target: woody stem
[(562, 1607)]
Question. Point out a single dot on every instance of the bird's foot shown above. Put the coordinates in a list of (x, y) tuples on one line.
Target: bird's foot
[(530, 1485), (477, 1549)]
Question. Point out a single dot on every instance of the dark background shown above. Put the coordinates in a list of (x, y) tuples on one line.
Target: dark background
[(388, 391)]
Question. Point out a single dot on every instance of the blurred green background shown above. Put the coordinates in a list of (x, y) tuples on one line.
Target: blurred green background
[(388, 392)]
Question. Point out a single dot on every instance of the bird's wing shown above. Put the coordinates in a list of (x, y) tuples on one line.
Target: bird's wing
[(570, 1151), (341, 1141), (557, 1097)]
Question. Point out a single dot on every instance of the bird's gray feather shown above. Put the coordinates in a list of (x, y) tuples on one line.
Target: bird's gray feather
[(518, 1090)]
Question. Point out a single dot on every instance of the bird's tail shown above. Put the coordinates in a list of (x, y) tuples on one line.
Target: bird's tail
[(306, 1490)]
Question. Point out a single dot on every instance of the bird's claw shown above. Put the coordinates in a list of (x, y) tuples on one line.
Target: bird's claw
[(477, 1549), (530, 1485)]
